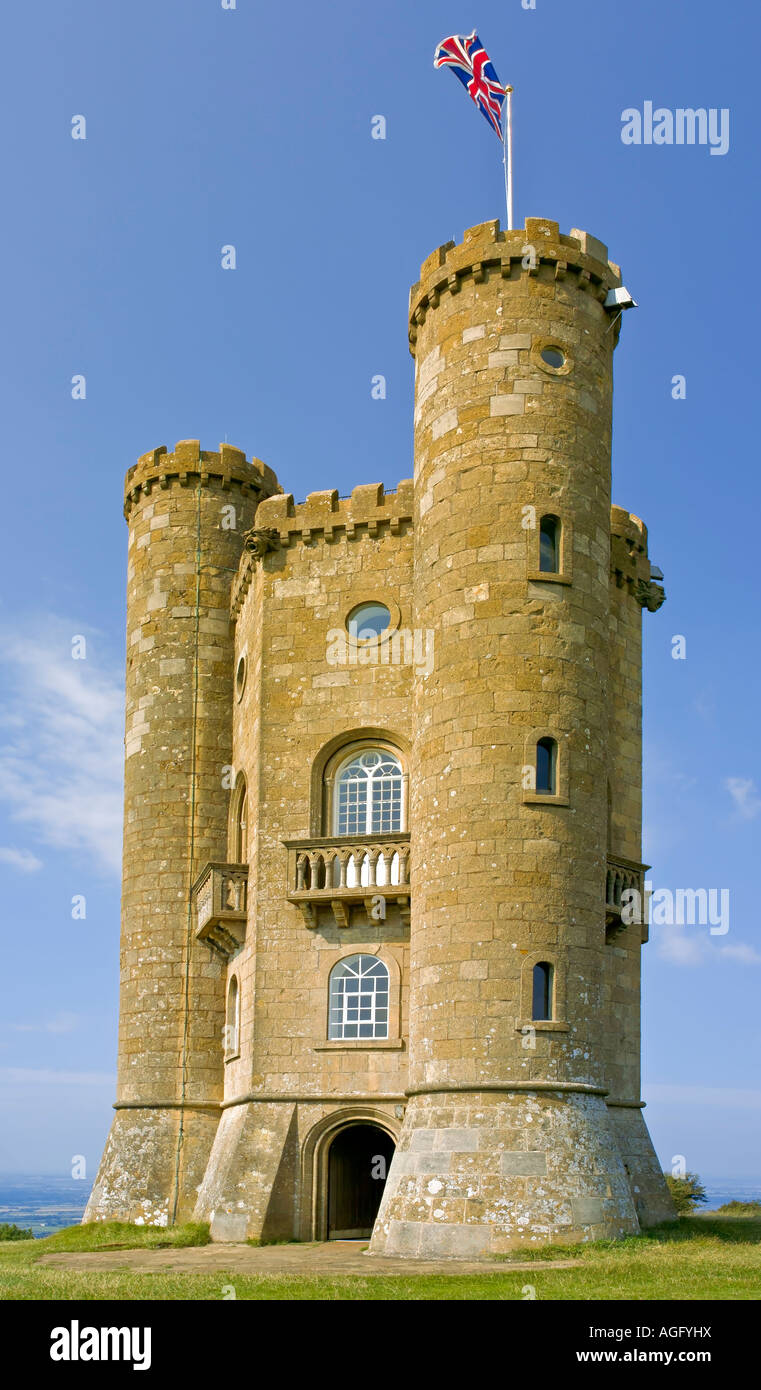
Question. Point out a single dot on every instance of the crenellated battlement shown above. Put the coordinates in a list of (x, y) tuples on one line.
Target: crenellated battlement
[(629, 564), (188, 464), (537, 249), (630, 528), (367, 509), (323, 516)]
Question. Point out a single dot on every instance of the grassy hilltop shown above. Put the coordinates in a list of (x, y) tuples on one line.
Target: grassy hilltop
[(714, 1257)]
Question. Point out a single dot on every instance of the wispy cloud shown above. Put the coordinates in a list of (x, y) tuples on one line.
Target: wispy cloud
[(704, 705), (744, 793), (692, 946), (45, 1076), (725, 1097), (21, 859), (747, 955), (61, 1023), (61, 755), (682, 947)]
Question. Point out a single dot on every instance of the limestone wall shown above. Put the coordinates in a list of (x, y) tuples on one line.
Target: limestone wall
[(328, 554)]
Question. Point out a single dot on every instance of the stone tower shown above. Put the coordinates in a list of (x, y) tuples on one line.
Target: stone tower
[(508, 1126), (186, 511), (504, 693)]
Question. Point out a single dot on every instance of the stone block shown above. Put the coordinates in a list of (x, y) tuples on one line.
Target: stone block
[(453, 1241), (587, 1211), (455, 1140), (433, 1165), (444, 423), (507, 405), (229, 1227), (590, 245), (515, 342), (403, 1238), (517, 1163)]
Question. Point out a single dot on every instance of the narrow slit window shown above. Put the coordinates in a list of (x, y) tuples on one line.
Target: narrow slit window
[(232, 1023), (549, 545), (546, 765), (240, 824), (541, 1000)]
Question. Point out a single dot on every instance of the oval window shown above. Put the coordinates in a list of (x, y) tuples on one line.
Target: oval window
[(368, 620), (240, 677), (553, 357)]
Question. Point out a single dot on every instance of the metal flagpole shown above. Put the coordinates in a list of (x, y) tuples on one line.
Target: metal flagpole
[(507, 156)]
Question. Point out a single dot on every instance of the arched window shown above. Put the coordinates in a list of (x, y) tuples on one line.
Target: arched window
[(549, 544), (368, 794), (232, 1021), (546, 765), (239, 846), (358, 998), (541, 998)]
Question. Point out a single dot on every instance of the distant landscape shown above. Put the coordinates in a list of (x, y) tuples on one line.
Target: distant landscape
[(45, 1203), (42, 1202)]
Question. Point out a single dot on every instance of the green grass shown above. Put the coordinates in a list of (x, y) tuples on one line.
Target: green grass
[(701, 1257), (121, 1235)]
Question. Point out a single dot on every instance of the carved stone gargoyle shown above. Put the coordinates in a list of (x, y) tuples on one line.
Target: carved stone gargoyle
[(260, 540), (649, 595)]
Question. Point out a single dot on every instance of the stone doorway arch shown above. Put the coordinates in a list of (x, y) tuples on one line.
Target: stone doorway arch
[(317, 1166)]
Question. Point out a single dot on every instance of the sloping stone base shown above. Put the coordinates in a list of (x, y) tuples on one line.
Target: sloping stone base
[(478, 1173), (650, 1194), (146, 1161), (250, 1186)]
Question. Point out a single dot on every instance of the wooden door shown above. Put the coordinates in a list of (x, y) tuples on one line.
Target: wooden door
[(358, 1165)]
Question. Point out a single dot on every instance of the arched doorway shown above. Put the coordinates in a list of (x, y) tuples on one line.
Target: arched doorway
[(358, 1163)]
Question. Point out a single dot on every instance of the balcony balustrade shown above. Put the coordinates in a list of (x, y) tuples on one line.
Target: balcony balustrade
[(622, 876), (342, 871), (338, 873), (219, 906)]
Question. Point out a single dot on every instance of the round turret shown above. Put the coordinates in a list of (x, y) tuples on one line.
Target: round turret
[(187, 512), (507, 1137)]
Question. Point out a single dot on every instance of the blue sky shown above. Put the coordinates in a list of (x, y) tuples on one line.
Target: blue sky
[(208, 127)]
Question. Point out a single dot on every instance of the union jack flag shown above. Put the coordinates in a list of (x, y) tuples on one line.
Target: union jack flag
[(469, 61)]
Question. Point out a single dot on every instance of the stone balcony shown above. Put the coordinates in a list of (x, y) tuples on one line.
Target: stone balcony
[(621, 876), (219, 906), (341, 872)]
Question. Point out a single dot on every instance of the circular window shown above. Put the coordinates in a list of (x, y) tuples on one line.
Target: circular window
[(553, 357), (368, 620), (240, 677)]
